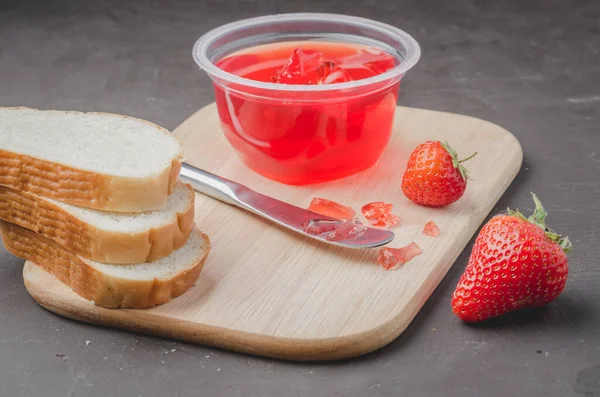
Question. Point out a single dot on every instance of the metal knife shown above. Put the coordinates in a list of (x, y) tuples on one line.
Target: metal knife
[(277, 211)]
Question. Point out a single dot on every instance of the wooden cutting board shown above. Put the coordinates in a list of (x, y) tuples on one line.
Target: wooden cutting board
[(267, 291)]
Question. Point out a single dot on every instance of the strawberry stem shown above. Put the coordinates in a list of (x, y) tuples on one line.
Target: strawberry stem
[(539, 218), (468, 158), (456, 162)]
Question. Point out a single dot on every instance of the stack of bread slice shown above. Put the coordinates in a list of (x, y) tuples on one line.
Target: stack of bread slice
[(95, 200)]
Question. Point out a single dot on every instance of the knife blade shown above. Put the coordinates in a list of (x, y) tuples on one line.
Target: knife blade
[(277, 211)]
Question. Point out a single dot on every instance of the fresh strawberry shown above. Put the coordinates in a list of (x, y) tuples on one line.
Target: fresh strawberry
[(434, 175), (516, 262)]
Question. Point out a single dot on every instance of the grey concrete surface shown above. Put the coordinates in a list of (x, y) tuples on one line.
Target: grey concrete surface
[(530, 66)]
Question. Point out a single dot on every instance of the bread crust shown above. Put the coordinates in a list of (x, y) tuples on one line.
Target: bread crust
[(91, 284), (86, 240), (85, 188)]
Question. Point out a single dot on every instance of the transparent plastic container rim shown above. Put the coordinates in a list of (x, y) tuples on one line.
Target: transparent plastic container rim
[(413, 51)]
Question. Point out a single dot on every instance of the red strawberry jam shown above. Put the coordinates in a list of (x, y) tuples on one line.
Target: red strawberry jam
[(302, 136), (431, 229), (351, 229), (331, 209), (392, 258), (380, 214), (303, 67)]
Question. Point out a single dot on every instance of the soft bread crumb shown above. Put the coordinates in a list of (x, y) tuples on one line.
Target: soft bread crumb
[(97, 142), (177, 202), (179, 260)]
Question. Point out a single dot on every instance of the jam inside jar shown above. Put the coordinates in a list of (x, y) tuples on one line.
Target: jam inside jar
[(306, 111)]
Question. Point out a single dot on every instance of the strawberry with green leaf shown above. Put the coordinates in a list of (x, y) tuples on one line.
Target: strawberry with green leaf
[(516, 262), (434, 175)]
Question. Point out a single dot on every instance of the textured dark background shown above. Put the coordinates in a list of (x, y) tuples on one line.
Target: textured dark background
[(531, 66)]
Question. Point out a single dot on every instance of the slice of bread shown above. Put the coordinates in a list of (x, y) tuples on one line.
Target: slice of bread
[(108, 237), (94, 160), (136, 286)]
